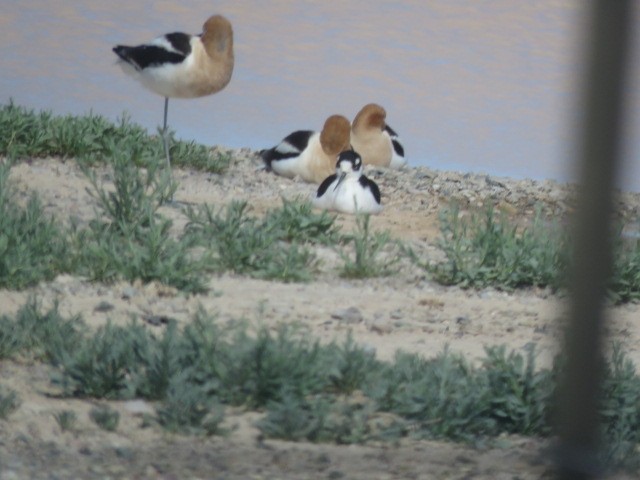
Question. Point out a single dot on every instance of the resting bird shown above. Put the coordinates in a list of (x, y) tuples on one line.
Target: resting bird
[(307, 154), (376, 141), (348, 190), (179, 65)]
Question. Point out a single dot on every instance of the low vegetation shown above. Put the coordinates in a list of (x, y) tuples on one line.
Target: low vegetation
[(335, 392), (129, 238), (487, 250), (91, 139)]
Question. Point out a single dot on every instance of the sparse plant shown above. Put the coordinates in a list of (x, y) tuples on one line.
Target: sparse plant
[(105, 417), (104, 365), (32, 333), (189, 408), (260, 367), (137, 194), (9, 402), (624, 285), (620, 412), (243, 244), (351, 367), (160, 360), (32, 245), (66, 420), (134, 241), (296, 221), (369, 258), (484, 251), (520, 394), (92, 138), (295, 418)]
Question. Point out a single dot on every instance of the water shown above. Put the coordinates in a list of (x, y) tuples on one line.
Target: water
[(472, 85)]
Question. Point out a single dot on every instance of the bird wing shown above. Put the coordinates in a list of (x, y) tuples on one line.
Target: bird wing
[(170, 48), (290, 146)]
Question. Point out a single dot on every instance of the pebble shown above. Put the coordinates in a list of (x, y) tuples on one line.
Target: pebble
[(103, 307), (138, 407), (380, 326), (349, 315), (128, 293)]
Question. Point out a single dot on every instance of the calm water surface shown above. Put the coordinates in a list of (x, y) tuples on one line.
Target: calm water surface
[(474, 85)]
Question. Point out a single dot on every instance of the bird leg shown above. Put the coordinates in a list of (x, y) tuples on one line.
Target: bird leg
[(164, 133)]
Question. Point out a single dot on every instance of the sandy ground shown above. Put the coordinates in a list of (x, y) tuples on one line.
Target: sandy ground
[(406, 311)]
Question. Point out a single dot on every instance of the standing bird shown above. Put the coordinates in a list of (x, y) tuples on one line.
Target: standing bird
[(310, 155), (376, 141), (348, 190), (179, 65)]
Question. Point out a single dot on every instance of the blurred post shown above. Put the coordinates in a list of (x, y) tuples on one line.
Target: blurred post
[(599, 151)]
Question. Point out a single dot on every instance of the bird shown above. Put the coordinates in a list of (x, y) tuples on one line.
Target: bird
[(348, 190), (376, 141), (180, 65), (308, 154)]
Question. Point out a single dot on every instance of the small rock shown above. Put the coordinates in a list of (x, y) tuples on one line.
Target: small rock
[(103, 307), (138, 407), (156, 320), (128, 293), (85, 450), (125, 453), (348, 315), (380, 326)]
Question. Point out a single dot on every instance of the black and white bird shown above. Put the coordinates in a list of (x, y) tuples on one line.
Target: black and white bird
[(348, 190), (180, 65), (376, 141), (308, 154)]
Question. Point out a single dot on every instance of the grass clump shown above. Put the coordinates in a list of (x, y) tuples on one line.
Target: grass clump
[(129, 239), (9, 402), (297, 221), (66, 420), (105, 417), (189, 408), (620, 412), (244, 244), (625, 282), (488, 251), (102, 365), (41, 336), (485, 251), (32, 246), (93, 139), (324, 419), (368, 258), (258, 368)]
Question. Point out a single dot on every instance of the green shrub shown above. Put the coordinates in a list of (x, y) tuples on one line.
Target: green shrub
[(368, 259), (43, 336), (92, 138), (484, 251), (189, 408), (105, 417), (9, 402), (66, 420), (243, 244), (130, 240), (32, 246), (105, 364)]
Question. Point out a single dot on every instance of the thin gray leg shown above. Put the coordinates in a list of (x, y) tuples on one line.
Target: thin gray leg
[(164, 132)]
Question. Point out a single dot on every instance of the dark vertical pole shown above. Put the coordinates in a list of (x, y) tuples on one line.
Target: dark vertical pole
[(599, 154)]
